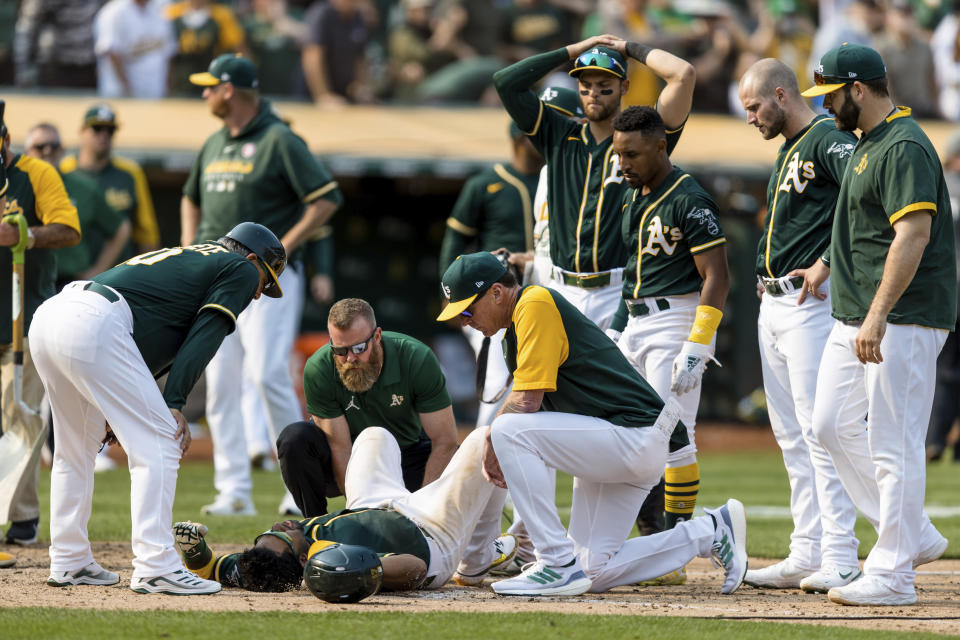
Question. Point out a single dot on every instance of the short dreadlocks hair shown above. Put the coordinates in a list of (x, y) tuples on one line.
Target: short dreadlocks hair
[(263, 570), (646, 120)]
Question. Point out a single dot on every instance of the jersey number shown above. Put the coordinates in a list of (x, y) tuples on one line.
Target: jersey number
[(153, 257)]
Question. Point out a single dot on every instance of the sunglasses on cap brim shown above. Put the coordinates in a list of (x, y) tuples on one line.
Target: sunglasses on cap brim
[(599, 61)]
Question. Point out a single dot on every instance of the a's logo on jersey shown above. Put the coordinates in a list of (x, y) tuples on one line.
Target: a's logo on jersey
[(12, 207), (549, 94), (494, 187), (841, 149), (119, 199), (862, 165), (615, 177), (705, 217), (657, 238), (796, 168), (351, 405), (396, 401), (248, 150)]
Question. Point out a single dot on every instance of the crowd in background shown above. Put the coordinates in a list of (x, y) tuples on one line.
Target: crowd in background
[(445, 51)]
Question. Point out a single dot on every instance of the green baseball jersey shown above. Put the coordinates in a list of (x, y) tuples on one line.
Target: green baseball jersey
[(383, 530), (410, 383), (894, 171), (663, 231), (801, 197), (124, 187), (185, 301), (35, 190), (551, 346), (584, 185), (264, 174), (98, 222), (495, 207)]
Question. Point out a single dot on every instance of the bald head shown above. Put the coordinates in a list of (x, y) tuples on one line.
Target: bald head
[(771, 99), (766, 75)]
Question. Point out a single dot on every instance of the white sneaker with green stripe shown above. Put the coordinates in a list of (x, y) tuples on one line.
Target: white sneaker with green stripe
[(537, 579), (729, 549), (177, 583)]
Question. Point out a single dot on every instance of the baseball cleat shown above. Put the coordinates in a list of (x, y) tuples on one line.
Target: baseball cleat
[(178, 583), (828, 578), (23, 532), (782, 575), (6, 560), (508, 569), (729, 549), (537, 579), (504, 550), (931, 553), (288, 506), (92, 574), (227, 506), (672, 579), (869, 591)]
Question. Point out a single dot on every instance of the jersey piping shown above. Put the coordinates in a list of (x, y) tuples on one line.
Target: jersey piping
[(643, 220), (524, 200)]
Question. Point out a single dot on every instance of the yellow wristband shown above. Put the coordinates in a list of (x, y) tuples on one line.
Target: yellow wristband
[(705, 325)]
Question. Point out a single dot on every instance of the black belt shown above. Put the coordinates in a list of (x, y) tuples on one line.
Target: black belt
[(106, 292), (775, 287), (641, 309), (592, 281)]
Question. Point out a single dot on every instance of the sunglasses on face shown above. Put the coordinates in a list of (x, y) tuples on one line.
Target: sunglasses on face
[(355, 349), (46, 147), (601, 60), (103, 128), (466, 313)]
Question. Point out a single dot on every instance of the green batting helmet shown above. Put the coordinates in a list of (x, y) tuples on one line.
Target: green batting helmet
[(343, 573), (257, 239)]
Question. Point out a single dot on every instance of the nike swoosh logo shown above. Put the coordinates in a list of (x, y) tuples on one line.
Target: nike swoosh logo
[(844, 576)]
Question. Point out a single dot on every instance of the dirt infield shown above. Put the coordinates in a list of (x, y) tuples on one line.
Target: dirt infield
[(938, 588)]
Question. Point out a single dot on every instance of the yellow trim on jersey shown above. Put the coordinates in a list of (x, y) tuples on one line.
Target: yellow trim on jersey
[(902, 112), (525, 200), (643, 219), (536, 126), (583, 133), (707, 245), (222, 308), (542, 344), (145, 230), (6, 183), (916, 206), (317, 193), (560, 109), (583, 204), (459, 227), (596, 222), (52, 203), (574, 138), (216, 569), (776, 194)]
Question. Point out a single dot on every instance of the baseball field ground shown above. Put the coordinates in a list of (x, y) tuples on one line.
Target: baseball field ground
[(30, 609)]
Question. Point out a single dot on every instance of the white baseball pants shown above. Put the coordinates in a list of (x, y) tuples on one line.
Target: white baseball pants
[(459, 511), (791, 340), (497, 374), (881, 462), (599, 304), (259, 348), (93, 372)]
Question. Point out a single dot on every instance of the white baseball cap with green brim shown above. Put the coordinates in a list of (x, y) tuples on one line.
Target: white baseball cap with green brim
[(466, 279), (843, 65)]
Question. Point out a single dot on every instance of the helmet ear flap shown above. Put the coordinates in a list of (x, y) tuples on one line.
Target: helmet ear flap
[(270, 252)]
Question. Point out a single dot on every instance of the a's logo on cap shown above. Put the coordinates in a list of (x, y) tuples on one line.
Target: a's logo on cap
[(446, 290), (224, 77), (104, 113), (820, 68)]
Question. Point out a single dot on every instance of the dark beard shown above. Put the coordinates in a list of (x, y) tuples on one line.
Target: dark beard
[(605, 114), (849, 114), (360, 377), (776, 127)]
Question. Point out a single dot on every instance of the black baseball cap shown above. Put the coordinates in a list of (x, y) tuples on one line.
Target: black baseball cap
[(845, 64), (468, 277), (229, 67), (602, 59), (100, 114)]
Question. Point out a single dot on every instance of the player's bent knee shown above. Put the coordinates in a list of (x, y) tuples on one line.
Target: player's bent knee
[(293, 436)]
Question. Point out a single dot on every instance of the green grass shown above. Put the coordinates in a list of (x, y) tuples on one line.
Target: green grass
[(755, 477), (76, 624)]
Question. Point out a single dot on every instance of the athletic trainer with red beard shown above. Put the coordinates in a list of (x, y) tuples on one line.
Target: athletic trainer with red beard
[(366, 377)]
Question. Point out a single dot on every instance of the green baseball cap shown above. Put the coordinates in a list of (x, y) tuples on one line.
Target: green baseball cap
[(845, 64), (564, 100), (468, 277), (600, 59), (100, 114), (229, 67)]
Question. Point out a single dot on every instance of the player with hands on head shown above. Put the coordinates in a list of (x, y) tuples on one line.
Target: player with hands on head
[(98, 346)]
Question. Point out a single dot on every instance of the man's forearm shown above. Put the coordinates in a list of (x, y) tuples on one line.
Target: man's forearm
[(440, 456), (54, 236), (111, 250), (339, 457), (522, 402), (314, 216)]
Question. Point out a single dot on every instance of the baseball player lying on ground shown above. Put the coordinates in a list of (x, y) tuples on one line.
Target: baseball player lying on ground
[(448, 528)]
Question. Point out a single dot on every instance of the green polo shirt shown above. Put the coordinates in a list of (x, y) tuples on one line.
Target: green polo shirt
[(584, 186), (894, 172), (264, 174), (98, 223), (663, 231), (801, 197), (551, 346), (495, 208), (185, 301), (410, 383)]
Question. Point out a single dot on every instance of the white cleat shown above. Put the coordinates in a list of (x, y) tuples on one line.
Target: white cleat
[(227, 506), (178, 583), (537, 579), (931, 553), (869, 591), (288, 506), (782, 575), (92, 574), (729, 549), (828, 578), (504, 551)]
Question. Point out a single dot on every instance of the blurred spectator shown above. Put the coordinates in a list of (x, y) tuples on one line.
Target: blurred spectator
[(945, 45), (946, 397), (68, 59), (121, 181), (909, 61), (861, 22), (275, 36), (412, 51), (334, 58), (8, 20), (203, 30), (528, 27), (781, 31), (714, 52), (133, 44)]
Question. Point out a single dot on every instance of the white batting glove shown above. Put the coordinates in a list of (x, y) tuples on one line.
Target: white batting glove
[(613, 334), (189, 534), (688, 366)]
